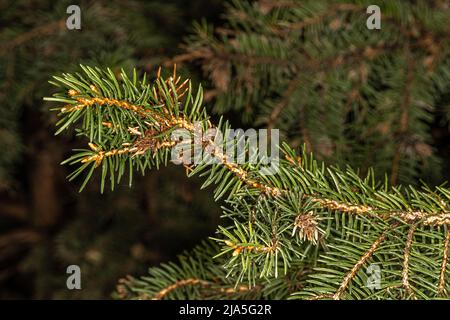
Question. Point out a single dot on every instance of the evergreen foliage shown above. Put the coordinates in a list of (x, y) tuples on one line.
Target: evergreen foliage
[(315, 71), (308, 231)]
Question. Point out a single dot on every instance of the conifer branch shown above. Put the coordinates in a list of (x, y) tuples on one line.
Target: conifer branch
[(204, 284), (180, 283), (348, 278), (266, 210)]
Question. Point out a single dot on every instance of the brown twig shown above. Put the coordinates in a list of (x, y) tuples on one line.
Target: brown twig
[(406, 256), (332, 10), (349, 277), (204, 284), (40, 31), (442, 281), (181, 283)]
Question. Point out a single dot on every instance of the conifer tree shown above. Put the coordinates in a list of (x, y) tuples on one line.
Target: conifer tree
[(354, 95)]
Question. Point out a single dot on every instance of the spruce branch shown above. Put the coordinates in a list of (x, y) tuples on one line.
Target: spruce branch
[(405, 271), (349, 277), (305, 214)]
